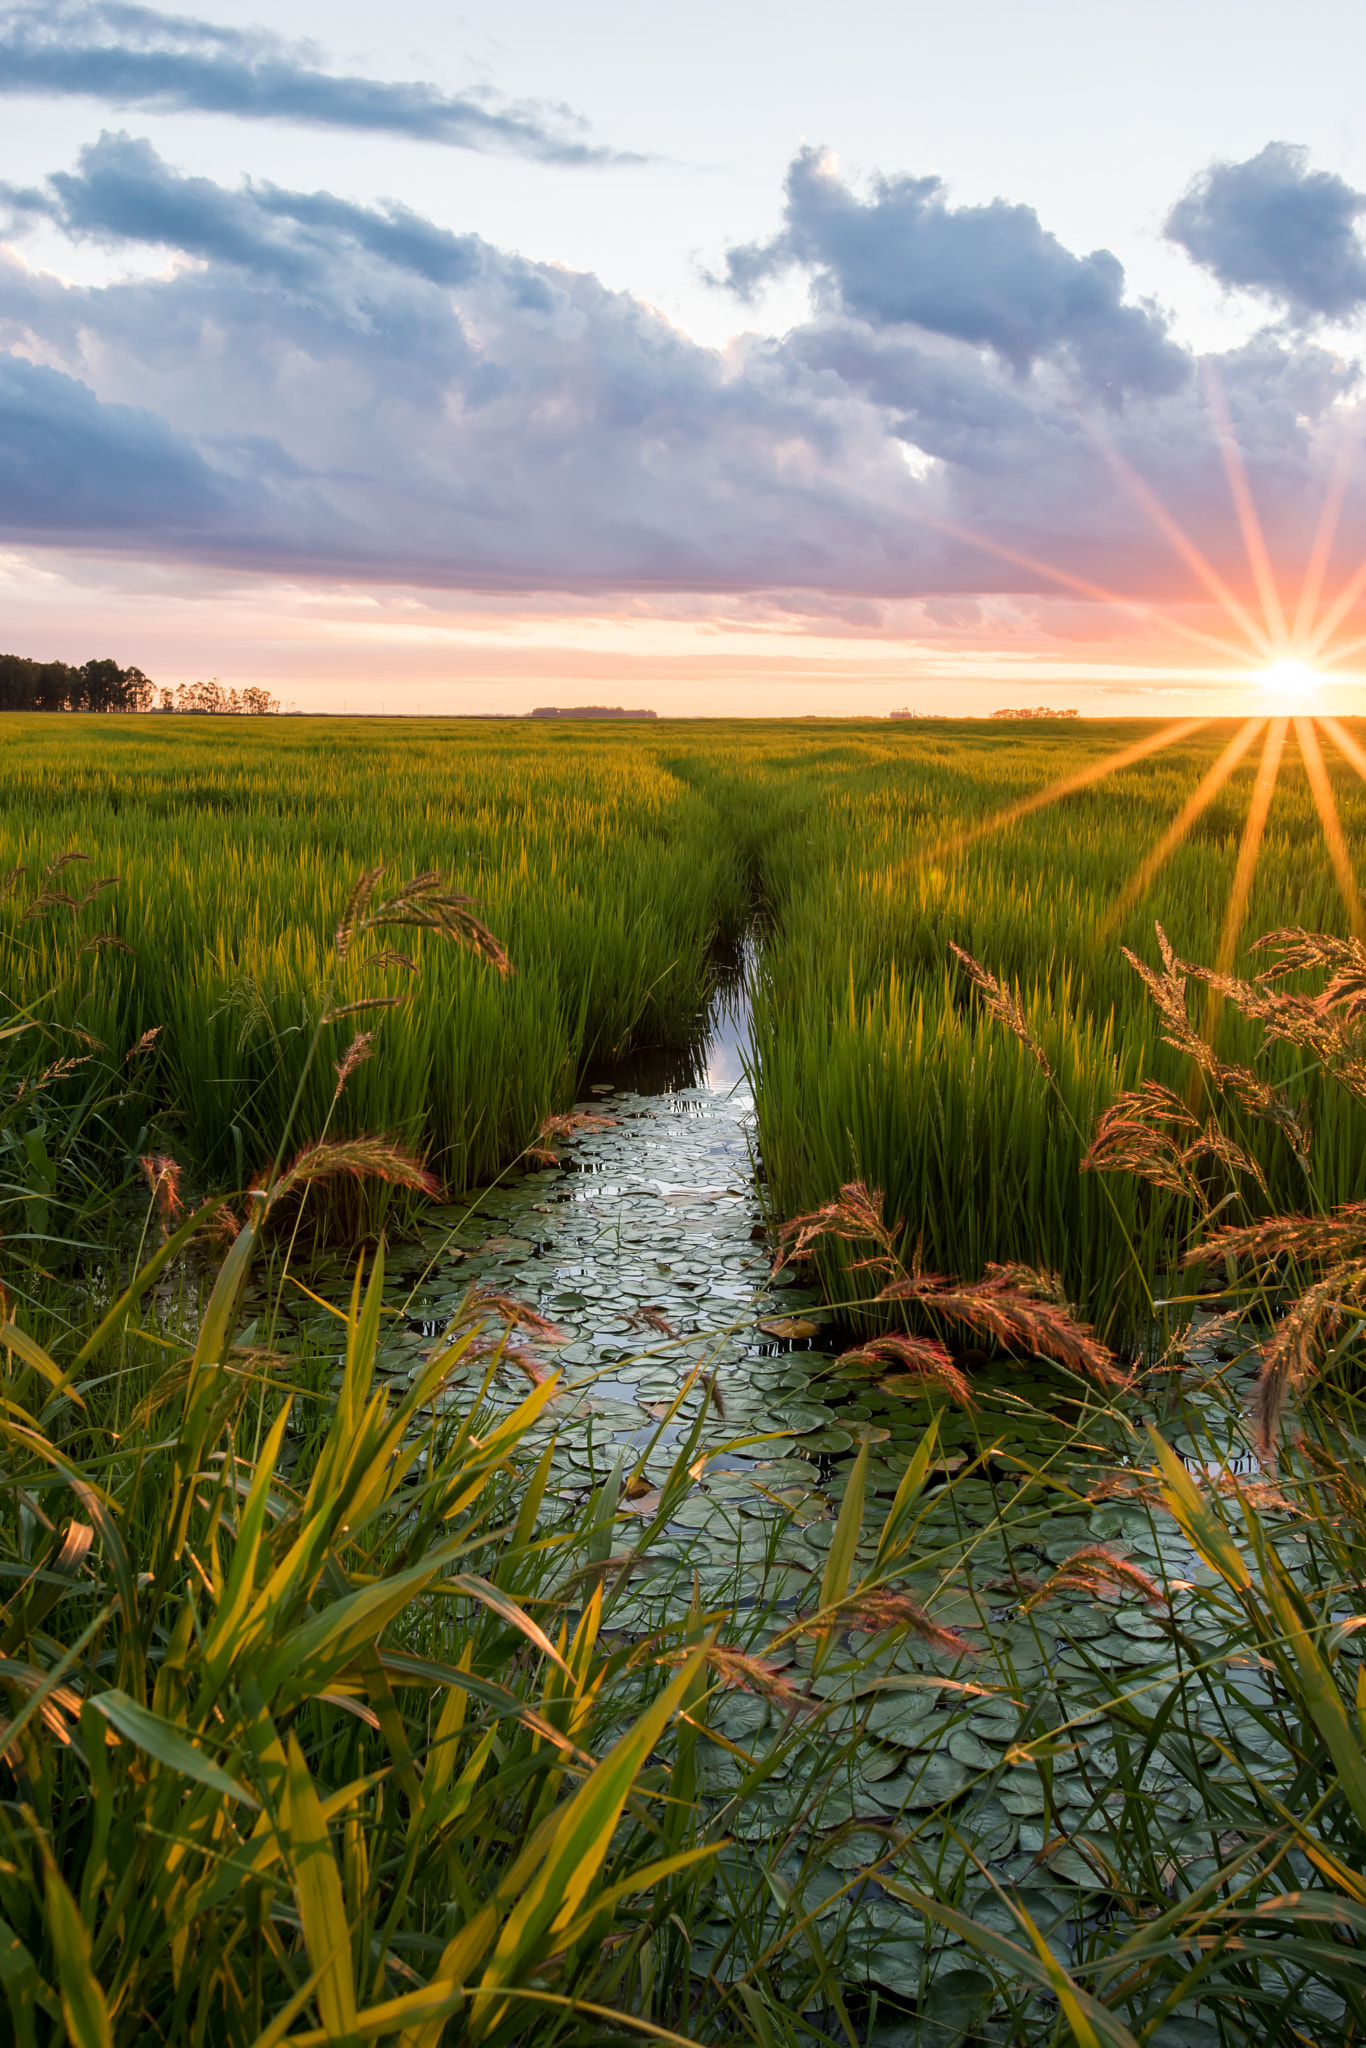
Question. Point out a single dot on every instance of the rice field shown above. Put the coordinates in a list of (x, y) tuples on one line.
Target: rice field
[(575, 1620), (610, 863)]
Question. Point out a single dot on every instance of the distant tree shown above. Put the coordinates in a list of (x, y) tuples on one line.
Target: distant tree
[(211, 697), (100, 686), (1033, 711), (140, 692), (103, 686)]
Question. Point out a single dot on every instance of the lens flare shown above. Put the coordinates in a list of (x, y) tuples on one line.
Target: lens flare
[(1299, 657), (1292, 684)]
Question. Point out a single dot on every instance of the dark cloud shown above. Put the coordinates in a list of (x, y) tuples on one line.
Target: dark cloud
[(988, 275), (70, 465), (1272, 225), (123, 191), (331, 388), (137, 57)]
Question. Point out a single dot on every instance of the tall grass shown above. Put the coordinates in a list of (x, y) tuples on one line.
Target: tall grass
[(609, 861), (233, 850), (874, 1060), (327, 1721)]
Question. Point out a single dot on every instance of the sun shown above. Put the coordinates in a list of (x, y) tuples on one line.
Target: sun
[(1292, 684)]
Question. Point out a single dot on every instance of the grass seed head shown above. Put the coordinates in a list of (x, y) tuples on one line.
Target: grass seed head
[(355, 1055), (1004, 1005), (924, 1361), (162, 1175), (1019, 1308), (374, 1158), (855, 1217), (1100, 1572), (879, 1612), (554, 1129)]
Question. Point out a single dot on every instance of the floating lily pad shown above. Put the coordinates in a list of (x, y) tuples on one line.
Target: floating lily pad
[(1022, 1795), (827, 1442), (789, 1328), (937, 1779), (901, 1716), (972, 1751)]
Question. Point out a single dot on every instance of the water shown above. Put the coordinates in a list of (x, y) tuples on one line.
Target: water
[(645, 1248)]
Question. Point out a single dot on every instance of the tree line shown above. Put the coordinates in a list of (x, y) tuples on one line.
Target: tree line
[(57, 686), (103, 686)]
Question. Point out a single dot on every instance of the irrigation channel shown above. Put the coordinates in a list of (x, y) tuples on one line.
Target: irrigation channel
[(645, 1247)]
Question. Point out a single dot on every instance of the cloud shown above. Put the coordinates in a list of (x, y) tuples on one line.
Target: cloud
[(1272, 225), (123, 191), (70, 465), (137, 57), (350, 391), (987, 275)]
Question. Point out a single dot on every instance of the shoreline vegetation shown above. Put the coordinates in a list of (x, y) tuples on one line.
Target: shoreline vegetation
[(333, 1715)]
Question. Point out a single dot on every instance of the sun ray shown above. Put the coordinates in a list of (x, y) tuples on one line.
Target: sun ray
[(1334, 616), (1336, 654), (1137, 606), (1349, 748), (1183, 544), (1317, 566), (1010, 814), (1251, 526), (1332, 824), (1181, 824), (1268, 768)]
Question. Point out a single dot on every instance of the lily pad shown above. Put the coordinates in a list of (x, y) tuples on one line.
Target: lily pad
[(792, 1329), (972, 1751), (937, 1779), (801, 1416), (901, 1716)]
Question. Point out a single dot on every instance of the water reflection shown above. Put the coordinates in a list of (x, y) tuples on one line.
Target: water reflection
[(712, 1061)]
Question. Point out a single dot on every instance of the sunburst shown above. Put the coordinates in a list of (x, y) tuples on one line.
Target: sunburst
[(1286, 659)]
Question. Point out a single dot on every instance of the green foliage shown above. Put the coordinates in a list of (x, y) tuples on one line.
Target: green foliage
[(234, 850), (608, 860), (56, 686), (329, 1718)]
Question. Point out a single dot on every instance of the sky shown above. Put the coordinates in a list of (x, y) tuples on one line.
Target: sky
[(743, 359)]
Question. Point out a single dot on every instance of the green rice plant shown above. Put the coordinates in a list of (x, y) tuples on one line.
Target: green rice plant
[(232, 852), (1242, 1919), (875, 1062), (608, 861)]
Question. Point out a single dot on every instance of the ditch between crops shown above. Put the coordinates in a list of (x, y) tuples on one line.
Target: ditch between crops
[(610, 863), (676, 1339)]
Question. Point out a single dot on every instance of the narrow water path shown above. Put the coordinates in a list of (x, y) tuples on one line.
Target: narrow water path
[(644, 1247)]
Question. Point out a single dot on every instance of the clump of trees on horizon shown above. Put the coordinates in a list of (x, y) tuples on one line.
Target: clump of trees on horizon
[(100, 686), (1034, 711), (56, 686), (212, 698)]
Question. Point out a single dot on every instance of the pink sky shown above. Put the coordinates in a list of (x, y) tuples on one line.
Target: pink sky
[(287, 398), (370, 648)]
